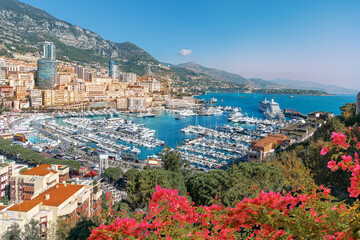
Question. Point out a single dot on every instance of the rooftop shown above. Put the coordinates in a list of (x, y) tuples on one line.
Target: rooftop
[(41, 170), (24, 206), (271, 139), (57, 194), (2, 207)]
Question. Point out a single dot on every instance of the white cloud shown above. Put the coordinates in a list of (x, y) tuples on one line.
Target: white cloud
[(185, 52)]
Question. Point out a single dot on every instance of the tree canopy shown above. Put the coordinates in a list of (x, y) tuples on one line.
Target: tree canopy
[(141, 188), (171, 160), (113, 173), (235, 183)]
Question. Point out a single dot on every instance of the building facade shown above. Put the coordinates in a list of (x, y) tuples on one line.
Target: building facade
[(263, 147), (49, 51), (42, 193), (128, 77), (113, 69), (46, 74), (36, 98)]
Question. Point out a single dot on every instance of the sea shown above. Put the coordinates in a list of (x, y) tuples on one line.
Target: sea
[(168, 128)]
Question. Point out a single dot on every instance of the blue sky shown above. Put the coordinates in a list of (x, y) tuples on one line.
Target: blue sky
[(296, 39)]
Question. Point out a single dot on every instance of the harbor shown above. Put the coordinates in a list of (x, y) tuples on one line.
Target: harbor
[(208, 135)]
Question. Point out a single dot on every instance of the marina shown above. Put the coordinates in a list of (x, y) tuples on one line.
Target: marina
[(208, 136)]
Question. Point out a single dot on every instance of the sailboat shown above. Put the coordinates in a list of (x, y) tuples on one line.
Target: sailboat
[(240, 95)]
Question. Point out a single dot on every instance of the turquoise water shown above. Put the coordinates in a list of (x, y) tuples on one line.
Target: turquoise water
[(169, 129), (34, 139)]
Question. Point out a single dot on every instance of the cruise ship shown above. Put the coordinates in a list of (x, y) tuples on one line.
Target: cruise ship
[(269, 106)]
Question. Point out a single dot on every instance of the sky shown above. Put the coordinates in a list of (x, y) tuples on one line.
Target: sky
[(294, 39)]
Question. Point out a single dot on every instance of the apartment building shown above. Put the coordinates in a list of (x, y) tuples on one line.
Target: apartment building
[(36, 98), (7, 169), (42, 193), (6, 91), (265, 146), (20, 93)]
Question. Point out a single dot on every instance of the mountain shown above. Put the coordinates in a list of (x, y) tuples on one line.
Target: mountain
[(24, 28), (314, 85), (228, 77)]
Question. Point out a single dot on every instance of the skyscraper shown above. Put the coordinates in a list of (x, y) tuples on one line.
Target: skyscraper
[(46, 74), (113, 69), (49, 51)]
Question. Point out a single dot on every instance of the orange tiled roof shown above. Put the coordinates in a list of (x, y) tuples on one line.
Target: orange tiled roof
[(24, 206), (270, 140), (42, 170), (58, 194), (2, 207)]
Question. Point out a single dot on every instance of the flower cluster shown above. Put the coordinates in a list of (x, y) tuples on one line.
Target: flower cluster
[(347, 157), (285, 215)]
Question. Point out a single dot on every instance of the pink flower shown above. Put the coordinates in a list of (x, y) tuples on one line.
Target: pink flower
[(324, 150), (347, 159), (332, 165), (338, 138)]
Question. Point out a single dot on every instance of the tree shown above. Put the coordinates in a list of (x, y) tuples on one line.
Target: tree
[(338, 181), (332, 125), (235, 183), (113, 173), (348, 111), (13, 233), (299, 214), (23, 170), (131, 174), (63, 228), (141, 188), (32, 230), (293, 167), (83, 228), (171, 160)]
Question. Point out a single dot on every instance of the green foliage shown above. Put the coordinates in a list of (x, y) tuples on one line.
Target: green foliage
[(337, 181), (309, 154), (83, 228), (14, 233), (293, 168), (348, 110), (23, 170), (348, 114), (31, 157), (122, 206), (141, 188), (113, 173), (5, 53), (5, 200), (32, 230), (290, 92), (332, 125), (235, 183), (131, 174), (171, 160)]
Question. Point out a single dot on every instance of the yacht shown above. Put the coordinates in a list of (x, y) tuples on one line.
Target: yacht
[(269, 106), (146, 115), (187, 113)]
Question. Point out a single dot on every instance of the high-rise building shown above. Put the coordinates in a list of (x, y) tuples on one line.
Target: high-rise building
[(113, 69), (128, 77), (46, 74), (49, 51)]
